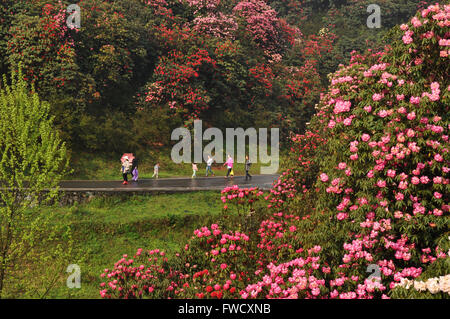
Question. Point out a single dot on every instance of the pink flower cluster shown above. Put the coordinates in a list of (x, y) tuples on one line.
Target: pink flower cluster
[(290, 280)]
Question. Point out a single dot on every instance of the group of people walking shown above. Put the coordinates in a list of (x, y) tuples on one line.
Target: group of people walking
[(131, 167), (209, 163), (229, 163)]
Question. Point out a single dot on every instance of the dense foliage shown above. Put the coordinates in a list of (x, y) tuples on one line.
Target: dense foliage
[(33, 159), (137, 69)]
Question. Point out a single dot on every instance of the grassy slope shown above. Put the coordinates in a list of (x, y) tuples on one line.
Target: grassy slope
[(105, 229)]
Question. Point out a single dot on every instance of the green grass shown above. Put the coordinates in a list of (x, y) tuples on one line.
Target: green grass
[(105, 229)]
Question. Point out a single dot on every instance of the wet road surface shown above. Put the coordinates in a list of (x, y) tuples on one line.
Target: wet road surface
[(170, 184)]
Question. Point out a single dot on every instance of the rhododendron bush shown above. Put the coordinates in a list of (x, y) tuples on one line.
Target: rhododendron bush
[(223, 58), (48, 62), (362, 211)]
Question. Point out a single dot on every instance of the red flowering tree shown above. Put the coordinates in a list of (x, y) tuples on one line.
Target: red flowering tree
[(176, 82), (41, 42), (222, 61)]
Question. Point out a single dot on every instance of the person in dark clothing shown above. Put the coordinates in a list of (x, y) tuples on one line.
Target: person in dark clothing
[(247, 168)]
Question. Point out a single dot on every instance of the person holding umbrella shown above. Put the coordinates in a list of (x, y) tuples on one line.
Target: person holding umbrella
[(126, 166)]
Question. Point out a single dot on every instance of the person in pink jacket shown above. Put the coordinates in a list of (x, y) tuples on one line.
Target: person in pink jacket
[(229, 164)]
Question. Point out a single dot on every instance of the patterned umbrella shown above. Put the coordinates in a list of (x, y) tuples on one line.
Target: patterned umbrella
[(129, 155)]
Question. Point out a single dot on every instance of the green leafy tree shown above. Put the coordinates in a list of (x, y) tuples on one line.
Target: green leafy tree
[(33, 158)]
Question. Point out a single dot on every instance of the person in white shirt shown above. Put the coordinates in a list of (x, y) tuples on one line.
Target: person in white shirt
[(208, 165), (156, 170)]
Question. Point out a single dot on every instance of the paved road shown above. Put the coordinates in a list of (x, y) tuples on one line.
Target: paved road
[(169, 184)]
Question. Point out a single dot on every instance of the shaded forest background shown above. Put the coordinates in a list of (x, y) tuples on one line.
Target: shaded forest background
[(136, 70)]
